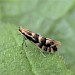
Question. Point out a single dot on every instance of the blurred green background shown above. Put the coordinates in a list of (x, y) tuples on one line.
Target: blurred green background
[(51, 18)]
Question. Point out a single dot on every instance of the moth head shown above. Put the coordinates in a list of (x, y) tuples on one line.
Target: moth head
[(24, 31), (21, 30)]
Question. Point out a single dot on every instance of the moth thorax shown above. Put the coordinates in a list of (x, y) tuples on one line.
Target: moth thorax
[(42, 39), (28, 32), (34, 35)]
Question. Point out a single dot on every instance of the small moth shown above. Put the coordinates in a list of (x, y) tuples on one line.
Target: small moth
[(46, 44)]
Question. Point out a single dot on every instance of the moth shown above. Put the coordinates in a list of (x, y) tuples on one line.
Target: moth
[(46, 44)]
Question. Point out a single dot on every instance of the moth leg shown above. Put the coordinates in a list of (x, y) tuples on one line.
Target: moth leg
[(42, 52), (24, 42)]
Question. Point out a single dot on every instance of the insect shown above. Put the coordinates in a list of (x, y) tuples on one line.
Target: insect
[(46, 44)]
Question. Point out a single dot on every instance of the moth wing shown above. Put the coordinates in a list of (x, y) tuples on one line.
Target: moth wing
[(57, 43)]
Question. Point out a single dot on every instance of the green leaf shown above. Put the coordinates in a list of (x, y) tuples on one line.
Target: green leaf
[(30, 61), (12, 62), (50, 18)]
